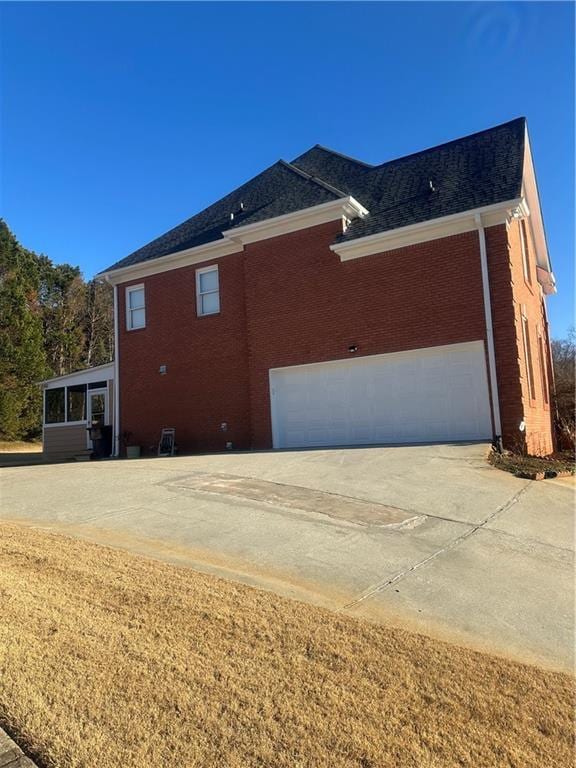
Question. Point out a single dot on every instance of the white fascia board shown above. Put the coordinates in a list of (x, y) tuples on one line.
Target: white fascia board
[(234, 239), (87, 376), (185, 258), (530, 189), (432, 229), (346, 207)]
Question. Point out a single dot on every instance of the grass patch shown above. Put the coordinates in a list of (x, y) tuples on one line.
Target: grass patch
[(110, 659), (551, 466), (20, 446)]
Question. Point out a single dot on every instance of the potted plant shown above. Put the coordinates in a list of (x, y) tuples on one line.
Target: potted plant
[(131, 448)]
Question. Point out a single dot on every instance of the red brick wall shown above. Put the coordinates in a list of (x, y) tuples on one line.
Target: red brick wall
[(206, 382), (527, 296), (505, 338), (290, 300), (304, 305)]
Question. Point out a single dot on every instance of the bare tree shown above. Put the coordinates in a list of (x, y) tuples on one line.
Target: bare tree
[(99, 323), (564, 360)]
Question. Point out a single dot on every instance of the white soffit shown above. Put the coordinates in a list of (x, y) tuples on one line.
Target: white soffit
[(87, 376), (292, 222), (200, 253), (234, 239), (425, 231), (530, 189)]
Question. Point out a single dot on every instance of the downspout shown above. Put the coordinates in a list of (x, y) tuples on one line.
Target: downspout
[(116, 378), (489, 332)]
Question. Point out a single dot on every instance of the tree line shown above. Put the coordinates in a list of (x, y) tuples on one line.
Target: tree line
[(52, 322), (564, 358)]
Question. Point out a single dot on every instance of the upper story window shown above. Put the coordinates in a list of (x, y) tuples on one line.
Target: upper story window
[(525, 252), (135, 307), (207, 291)]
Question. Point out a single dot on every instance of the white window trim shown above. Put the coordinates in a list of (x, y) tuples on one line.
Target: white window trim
[(525, 253), (64, 423), (542, 366), (130, 289), (199, 293), (530, 380)]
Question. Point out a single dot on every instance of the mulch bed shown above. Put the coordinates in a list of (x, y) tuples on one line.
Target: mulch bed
[(534, 467)]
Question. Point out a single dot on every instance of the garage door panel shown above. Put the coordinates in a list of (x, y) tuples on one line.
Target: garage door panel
[(433, 394)]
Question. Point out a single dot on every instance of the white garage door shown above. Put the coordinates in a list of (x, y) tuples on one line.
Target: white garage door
[(424, 395)]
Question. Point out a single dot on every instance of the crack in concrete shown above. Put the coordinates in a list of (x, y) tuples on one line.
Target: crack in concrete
[(529, 540), (458, 540)]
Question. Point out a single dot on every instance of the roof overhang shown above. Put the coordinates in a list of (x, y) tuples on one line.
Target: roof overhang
[(343, 207), (536, 221), (234, 240), (431, 229), (87, 376), (185, 258)]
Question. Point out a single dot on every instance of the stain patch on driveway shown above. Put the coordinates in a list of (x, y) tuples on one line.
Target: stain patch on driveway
[(298, 498)]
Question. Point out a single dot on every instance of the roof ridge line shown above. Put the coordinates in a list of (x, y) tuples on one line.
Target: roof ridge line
[(447, 143), (315, 179), (345, 157)]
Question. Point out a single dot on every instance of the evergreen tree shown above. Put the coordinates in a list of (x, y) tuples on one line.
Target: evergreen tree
[(51, 323), (22, 356)]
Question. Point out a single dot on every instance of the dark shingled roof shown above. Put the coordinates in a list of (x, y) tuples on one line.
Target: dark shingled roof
[(478, 170)]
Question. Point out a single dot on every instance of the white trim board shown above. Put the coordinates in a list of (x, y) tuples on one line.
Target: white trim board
[(431, 229), (186, 258), (67, 423), (200, 294), (536, 222), (291, 222), (494, 395), (132, 288), (116, 378), (234, 239), (87, 376)]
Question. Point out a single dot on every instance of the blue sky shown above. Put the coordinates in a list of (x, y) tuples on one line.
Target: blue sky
[(119, 120)]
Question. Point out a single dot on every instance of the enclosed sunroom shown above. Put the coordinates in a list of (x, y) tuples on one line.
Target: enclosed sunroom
[(74, 404)]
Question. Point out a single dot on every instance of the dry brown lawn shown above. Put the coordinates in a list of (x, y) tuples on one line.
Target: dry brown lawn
[(108, 660), (20, 446)]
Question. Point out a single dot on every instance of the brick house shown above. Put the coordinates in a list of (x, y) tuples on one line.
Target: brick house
[(331, 302)]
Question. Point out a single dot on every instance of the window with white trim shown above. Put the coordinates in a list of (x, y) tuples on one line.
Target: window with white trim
[(55, 405), (528, 356), (525, 252), (207, 291), (543, 373), (65, 404), (135, 307)]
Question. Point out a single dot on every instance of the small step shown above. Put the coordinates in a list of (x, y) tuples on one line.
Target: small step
[(83, 455)]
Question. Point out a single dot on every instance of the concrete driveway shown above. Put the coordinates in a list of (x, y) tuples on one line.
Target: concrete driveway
[(427, 537)]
